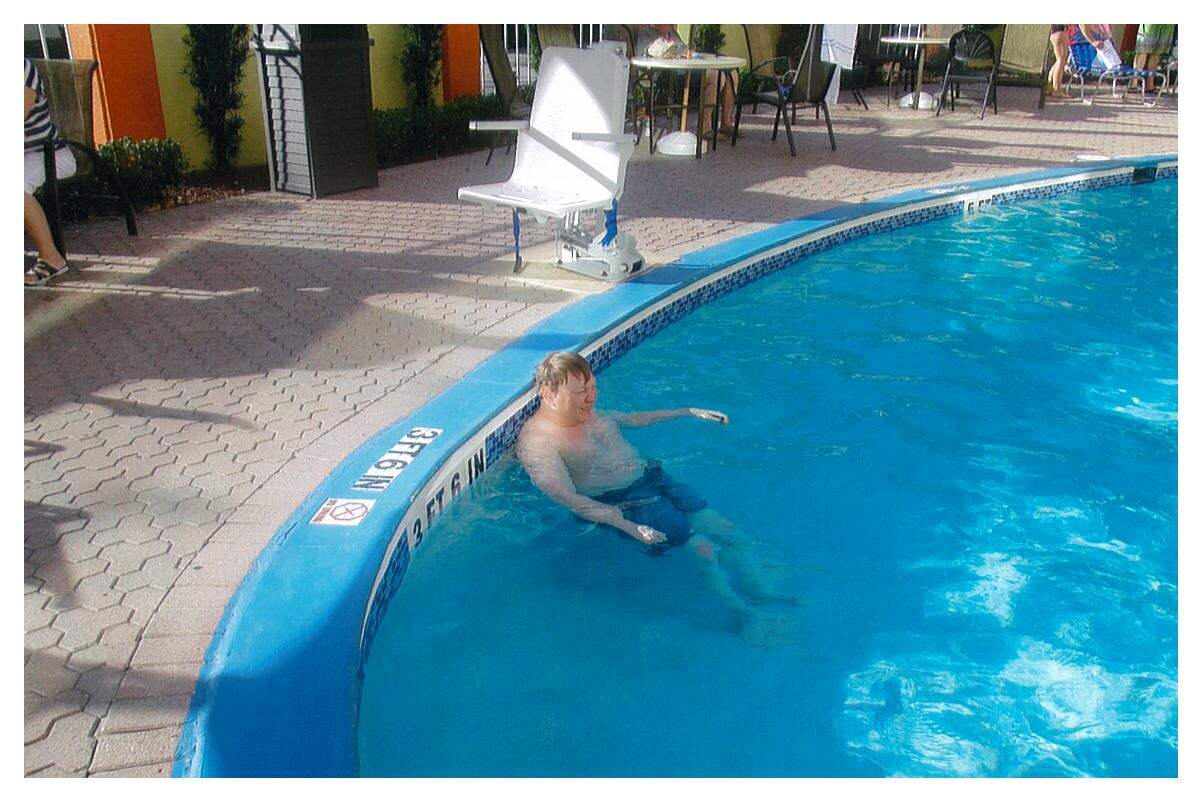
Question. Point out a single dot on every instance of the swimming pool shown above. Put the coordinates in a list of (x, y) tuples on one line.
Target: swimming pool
[(281, 686), (955, 441)]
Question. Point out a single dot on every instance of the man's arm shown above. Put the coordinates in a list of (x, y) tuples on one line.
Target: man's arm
[(548, 472), (639, 419)]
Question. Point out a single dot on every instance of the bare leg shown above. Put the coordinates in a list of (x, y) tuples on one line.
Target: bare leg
[(746, 565), (708, 96), (1152, 60), (715, 578), (1059, 42), (728, 99), (38, 229), (756, 627)]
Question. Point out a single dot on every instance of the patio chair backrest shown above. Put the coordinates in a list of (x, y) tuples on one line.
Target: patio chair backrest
[(491, 37), (1081, 56), (68, 87), (1025, 49), (556, 36), (622, 33), (810, 80), (579, 91), (973, 49), (762, 44)]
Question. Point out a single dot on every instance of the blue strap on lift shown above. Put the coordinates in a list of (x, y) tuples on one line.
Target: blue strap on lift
[(519, 265), (610, 225)]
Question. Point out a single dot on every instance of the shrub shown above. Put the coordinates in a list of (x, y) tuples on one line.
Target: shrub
[(148, 168), (792, 39), (421, 62), (708, 38), (415, 134), (535, 51), (216, 57)]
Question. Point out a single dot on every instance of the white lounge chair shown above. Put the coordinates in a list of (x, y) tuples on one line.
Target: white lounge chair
[(571, 159)]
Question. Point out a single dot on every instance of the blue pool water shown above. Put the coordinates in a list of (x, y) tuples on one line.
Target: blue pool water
[(956, 442)]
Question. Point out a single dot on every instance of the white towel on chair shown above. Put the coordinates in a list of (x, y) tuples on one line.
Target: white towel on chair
[(1108, 55)]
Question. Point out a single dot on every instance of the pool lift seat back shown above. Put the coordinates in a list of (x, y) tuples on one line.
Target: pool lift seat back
[(571, 159)]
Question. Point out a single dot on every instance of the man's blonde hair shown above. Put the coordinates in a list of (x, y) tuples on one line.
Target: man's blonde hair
[(557, 367)]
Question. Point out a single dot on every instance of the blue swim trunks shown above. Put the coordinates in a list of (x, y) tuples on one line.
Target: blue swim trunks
[(658, 500)]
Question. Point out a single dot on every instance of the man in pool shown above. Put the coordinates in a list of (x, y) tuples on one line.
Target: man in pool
[(579, 458)]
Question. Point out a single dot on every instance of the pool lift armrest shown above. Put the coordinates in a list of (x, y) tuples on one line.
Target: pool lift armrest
[(615, 138), (499, 125)]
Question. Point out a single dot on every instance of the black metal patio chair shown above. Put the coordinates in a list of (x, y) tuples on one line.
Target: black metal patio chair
[(972, 60), (68, 87), (767, 67), (805, 86)]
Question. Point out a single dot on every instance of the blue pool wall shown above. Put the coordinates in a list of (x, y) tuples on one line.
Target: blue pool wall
[(279, 688)]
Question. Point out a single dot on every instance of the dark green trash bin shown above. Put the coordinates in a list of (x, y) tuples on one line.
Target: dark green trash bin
[(316, 91)]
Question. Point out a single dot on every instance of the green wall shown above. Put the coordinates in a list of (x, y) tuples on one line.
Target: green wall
[(735, 38), (178, 97), (387, 83), (388, 89)]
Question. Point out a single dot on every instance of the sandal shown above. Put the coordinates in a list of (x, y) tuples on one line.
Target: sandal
[(42, 272)]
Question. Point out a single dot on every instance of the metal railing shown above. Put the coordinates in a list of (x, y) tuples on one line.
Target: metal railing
[(517, 38)]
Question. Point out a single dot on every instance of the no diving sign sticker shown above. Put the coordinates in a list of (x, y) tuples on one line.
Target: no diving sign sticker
[(340, 511)]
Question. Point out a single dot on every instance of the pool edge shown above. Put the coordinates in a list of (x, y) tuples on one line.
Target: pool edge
[(246, 667)]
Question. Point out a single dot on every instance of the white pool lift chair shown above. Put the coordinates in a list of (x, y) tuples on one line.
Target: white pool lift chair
[(571, 159)]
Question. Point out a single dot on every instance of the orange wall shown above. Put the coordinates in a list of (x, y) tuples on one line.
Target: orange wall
[(127, 102), (460, 61), (80, 37)]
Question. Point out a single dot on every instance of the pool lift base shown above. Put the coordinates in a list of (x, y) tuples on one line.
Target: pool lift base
[(608, 255)]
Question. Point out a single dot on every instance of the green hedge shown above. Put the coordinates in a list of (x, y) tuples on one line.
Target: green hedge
[(147, 168), (416, 134)]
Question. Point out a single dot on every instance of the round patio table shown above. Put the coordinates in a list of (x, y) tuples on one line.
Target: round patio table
[(917, 99), (681, 142)]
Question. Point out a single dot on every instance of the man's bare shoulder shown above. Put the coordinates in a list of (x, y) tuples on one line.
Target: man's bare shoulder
[(537, 432)]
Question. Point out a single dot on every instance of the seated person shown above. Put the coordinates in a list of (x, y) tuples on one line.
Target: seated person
[(39, 128), (663, 41), (580, 459)]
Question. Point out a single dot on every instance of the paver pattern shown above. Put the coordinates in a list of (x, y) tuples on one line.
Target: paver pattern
[(185, 389)]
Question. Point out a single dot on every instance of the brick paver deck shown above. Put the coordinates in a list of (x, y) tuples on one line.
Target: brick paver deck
[(185, 389)]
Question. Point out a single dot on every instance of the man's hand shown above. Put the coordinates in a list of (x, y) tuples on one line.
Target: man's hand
[(711, 416), (650, 536)]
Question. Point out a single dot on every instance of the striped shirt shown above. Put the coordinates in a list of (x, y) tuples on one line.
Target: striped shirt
[(38, 125)]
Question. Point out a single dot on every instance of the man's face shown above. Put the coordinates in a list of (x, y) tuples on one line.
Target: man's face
[(574, 400)]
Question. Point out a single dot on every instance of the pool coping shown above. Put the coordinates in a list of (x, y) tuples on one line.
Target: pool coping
[(279, 687)]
